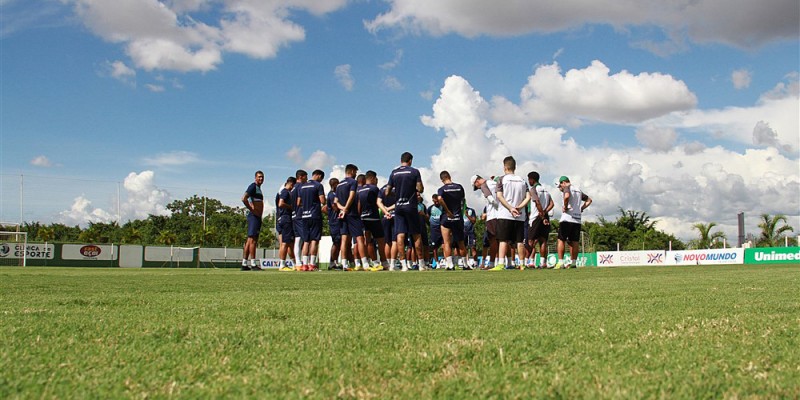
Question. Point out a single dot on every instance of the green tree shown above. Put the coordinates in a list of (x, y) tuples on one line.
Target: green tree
[(46, 234), (167, 237), (706, 239), (771, 234)]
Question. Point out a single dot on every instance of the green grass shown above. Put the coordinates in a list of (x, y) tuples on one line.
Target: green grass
[(677, 332)]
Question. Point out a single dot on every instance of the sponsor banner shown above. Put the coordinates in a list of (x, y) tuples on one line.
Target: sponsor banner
[(706, 257), (772, 255), (34, 251), (273, 263), (631, 258), (88, 252), (584, 259)]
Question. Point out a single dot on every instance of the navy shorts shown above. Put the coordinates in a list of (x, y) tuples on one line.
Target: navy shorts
[(297, 225), (406, 221), (336, 237), (469, 239), (436, 236), (388, 229), (253, 225), (374, 227), (351, 226), (456, 227), (286, 231), (312, 230)]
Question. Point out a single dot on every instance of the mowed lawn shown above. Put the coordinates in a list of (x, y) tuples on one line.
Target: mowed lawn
[(657, 332)]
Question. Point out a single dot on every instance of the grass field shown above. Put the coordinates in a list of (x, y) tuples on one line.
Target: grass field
[(677, 332)]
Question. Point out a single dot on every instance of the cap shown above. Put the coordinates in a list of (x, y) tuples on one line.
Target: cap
[(563, 179), (472, 181)]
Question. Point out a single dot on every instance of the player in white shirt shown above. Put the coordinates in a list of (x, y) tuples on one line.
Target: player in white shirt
[(512, 193), (569, 226), (539, 228), (488, 189)]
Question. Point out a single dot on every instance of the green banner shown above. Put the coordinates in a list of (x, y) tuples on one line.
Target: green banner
[(772, 255)]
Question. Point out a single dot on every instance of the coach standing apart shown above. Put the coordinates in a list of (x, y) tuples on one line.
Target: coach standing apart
[(569, 226), (253, 200)]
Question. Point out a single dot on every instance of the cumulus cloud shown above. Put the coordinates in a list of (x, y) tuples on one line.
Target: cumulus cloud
[(594, 94), (81, 213), (741, 78), (121, 72), (172, 159), (171, 35), (779, 109), (144, 198), (678, 185), (345, 78), (41, 161), (317, 160), (657, 139), (140, 199), (740, 23)]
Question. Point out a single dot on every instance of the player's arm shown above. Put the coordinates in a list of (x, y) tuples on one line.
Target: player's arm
[(324, 203), (487, 194), (246, 201), (420, 187), (587, 201), (471, 217), (524, 202), (282, 203), (348, 204), (502, 199), (386, 211), (445, 208)]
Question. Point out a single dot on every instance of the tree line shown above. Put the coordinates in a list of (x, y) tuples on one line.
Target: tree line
[(206, 222)]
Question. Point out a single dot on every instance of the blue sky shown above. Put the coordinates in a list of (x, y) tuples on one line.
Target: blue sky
[(687, 112)]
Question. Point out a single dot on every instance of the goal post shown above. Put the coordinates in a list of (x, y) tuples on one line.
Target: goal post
[(13, 247)]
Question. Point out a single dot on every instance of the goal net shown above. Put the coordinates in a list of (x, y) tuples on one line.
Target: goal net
[(12, 248)]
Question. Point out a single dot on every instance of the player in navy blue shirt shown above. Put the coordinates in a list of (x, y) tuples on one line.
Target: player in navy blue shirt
[(284, 206), (407, 181), (310, 200), (371, 219), (386, 205), (253, 200), (451, 198), (349, 218), (297, 213), (333, 224)]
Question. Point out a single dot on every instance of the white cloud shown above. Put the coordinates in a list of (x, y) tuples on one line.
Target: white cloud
[(140, 199), (392, 83), (172, 159), (593, 94), (155, 88), (398, 56), (81, 213), (294, 155), (121, 72), (41, 161), (144, 198), (741, 78), (319, 160), (345, 78), (426, 95), (657, 139), (779, 109), (740, 23), (678, 186), (171, 35)]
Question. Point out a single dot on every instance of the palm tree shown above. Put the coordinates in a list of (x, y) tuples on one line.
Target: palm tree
[(46, 234), (771, 234), (132, 235), (706, 239), (166, 237)]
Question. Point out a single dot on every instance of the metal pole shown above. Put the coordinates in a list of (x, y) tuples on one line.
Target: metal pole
[(21, 199)]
